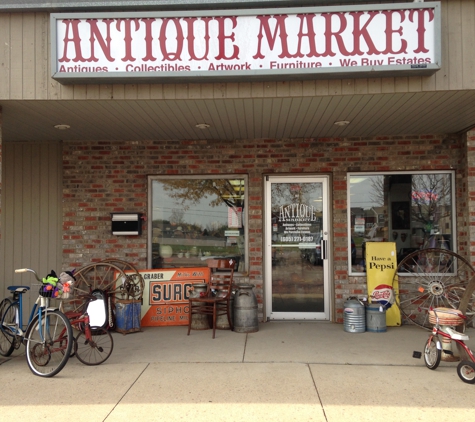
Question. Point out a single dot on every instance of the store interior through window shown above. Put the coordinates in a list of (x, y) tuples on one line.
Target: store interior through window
[(413, 210)]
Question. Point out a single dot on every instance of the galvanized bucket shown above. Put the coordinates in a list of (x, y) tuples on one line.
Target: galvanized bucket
[(245, 309), (354, 316), (375, 318)]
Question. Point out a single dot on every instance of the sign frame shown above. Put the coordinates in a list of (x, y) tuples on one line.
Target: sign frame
[(206, 76)]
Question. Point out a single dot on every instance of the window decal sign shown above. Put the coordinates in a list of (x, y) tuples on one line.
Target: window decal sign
[(297, 221), (304, 42)]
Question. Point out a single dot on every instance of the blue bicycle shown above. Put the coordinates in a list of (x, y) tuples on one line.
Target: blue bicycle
[(48, 336)]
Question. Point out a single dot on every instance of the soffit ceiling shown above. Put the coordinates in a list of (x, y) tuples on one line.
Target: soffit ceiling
[(405, 113), (240, 118)]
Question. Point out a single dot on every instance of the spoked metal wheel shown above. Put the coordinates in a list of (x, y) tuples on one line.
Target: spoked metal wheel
[(432, 278), (432, 354), (466, 371), (133, 286), (105, 276), (95, 350), (49, 340), (7, 319)]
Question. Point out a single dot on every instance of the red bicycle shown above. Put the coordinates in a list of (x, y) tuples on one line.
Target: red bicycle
[(92, 345)]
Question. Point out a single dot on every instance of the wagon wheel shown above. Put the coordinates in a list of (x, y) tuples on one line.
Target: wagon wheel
[(133, 286), (100, 275), (123, 265), (432, 278)]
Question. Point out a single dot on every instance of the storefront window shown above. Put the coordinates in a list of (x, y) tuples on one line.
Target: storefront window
[(196, 218), (413, 210)]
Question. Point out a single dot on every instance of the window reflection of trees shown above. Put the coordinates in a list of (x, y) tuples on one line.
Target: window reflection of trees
[(190, 219), (426, 197), (430, 198), (431, 202), (190, 192), (292, 193)]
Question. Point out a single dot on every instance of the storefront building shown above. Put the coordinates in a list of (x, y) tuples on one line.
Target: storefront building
[(285, 137)]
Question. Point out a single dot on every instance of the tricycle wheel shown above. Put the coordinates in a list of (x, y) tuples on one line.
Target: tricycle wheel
[(466, 371)]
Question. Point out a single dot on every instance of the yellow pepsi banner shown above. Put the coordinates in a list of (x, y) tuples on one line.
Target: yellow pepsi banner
[(381, 275)]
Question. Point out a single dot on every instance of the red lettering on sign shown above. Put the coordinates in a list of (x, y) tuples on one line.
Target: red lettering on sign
[(421, 27), (72, 25), (222, 37), (359, 32), (272, 38), (190, 22), (390, 31), (179, 39), (149, 57)]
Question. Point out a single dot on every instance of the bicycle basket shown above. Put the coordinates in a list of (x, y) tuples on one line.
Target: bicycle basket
[(49, 291)]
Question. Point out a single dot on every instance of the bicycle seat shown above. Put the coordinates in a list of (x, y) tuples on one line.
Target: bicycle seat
[(456, 335), (18, 289)]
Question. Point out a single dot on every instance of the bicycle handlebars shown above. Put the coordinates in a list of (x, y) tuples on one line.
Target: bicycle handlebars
[(28, 270)]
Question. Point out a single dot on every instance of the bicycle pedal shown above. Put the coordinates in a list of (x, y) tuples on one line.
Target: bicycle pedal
[(416, 355), (448, 352)]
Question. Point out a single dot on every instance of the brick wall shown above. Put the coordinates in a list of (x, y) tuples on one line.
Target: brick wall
[(105, 177)]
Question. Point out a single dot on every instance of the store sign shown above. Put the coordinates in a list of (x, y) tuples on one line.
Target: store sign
[(166, 294), (245, 44)]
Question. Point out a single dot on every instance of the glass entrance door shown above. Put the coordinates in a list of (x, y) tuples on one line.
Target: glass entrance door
[(297, 250)]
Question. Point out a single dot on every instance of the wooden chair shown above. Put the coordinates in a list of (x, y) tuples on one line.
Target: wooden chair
[(216, 300)]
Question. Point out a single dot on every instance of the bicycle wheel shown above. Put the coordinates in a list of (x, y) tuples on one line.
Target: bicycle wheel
[(432, 278), (95, 350), (7, 318), (432, 354), (466, 371), (48, 343)]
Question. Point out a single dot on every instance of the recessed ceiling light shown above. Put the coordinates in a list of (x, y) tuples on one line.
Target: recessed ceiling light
[(62, 127), (341, 123), (202, 126)]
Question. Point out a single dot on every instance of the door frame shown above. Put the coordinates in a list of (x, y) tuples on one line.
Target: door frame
[(327, 315)]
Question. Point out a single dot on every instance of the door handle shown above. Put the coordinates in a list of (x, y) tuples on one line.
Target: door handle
[(324, 249)]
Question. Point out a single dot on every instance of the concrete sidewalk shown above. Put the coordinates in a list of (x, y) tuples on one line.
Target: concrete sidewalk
[(288, 371)]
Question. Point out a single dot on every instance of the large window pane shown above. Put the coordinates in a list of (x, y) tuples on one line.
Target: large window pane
[(194, 219), (414, 210)]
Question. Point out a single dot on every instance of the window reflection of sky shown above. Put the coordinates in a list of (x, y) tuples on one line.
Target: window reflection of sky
[(199, 213), (360, 192), (195, 211)]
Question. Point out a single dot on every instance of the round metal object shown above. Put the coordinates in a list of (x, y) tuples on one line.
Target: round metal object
[(133, 286), (432, 278)]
